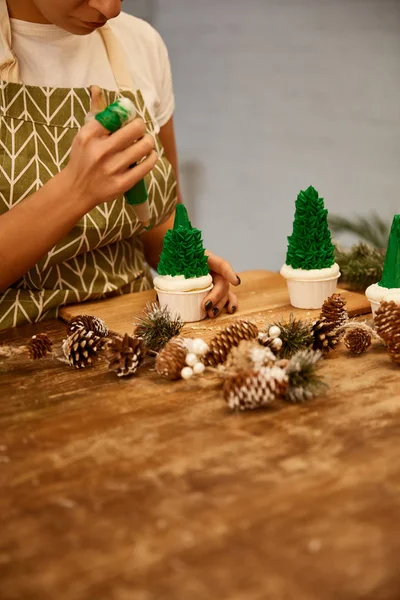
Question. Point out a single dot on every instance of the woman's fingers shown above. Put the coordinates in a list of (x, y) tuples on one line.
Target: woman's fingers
[(232, 303), (134, 154), (222, 267), (214, 301), (120, 140), (132, 176)]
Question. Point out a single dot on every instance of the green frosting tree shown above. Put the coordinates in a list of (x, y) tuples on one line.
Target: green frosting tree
[(310, 245), (391, 268), (183, 250)]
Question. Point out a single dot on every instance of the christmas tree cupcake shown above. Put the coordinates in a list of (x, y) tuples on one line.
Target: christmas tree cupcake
[(310, 269), (388, 288), (183, 279)]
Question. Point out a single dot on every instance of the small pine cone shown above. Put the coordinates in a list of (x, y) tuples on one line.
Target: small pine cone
[(224, 341), (393, 349), (39, 345), (248, 356), (387, 321), (250, 390), (172, 359), (326, 335), (88, 323), (82, 348), (334, 310), (357, 340), (125, 355)]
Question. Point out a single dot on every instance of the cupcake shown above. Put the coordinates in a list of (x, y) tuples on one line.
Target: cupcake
[(310, 268), (388, 288), (183, 279)]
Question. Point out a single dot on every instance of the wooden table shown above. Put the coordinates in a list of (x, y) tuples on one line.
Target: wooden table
[(142, 489)]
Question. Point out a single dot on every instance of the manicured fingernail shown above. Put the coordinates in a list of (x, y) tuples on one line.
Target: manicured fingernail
[(208, 305), (239, 280), (215, 311), (233, 309)]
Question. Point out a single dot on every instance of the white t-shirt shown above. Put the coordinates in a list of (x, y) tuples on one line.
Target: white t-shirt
[(50, 56)]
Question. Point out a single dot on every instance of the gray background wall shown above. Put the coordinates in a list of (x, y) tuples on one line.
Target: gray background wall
[(275, 95)]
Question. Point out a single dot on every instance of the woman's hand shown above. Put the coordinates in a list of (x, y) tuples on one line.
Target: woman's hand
[(221, 295), (99, 165)]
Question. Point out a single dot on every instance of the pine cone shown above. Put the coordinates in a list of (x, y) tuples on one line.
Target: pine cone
[(82, 348), (39, 345), (172, 358), (326, 335), (357, 340), (231, 336), (393, 349), (387, 321), (125, 355), (88, 323), (334, 310), (250, 390), (248, 356)]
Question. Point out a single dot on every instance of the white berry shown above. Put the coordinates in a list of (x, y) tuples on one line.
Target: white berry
[(187, 373), (277, 343), (199, 368), (199, 347), (191, 359), (274, 331)]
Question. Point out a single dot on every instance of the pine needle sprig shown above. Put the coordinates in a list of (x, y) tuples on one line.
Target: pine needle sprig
[(371, 229), (304, 381), (157, 326), (295, 334), (361, 265)]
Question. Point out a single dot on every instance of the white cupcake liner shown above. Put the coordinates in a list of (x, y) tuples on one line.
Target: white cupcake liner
[(189, 305), (309, 294)]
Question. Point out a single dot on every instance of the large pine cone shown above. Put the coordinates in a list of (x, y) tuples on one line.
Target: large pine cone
[(82, 348), (250, 390), (172, 358), (224, 341), (125, 355), (88, 323), (39, 345), (357, 340), (387, 321), (334, 310), (326, 336)]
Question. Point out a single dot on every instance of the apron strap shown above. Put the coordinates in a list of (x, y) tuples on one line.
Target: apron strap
[(116, 58), (9, 69)]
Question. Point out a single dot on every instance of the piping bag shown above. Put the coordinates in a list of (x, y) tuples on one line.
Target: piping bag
[(112, 118)]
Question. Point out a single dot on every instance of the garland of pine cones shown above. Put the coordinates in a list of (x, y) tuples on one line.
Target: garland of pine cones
[(258, 367)]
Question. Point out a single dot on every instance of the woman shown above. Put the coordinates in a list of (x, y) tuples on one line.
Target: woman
[(64, 237)]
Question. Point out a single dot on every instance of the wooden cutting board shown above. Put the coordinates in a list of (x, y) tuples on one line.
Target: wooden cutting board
[(263, 297)]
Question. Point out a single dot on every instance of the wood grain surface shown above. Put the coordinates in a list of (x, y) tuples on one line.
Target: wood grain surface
[(150, 490)]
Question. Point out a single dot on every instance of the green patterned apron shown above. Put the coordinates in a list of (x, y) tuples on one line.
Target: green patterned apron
[(102, 255)]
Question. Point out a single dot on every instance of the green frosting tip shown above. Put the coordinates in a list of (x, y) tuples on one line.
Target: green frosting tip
[(310, 245), (181, 218), (391, 268), (183, 251)]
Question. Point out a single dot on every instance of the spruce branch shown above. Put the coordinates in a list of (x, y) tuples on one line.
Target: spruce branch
[(157, 326), (295, 334), (361, 265), (304, 381)]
